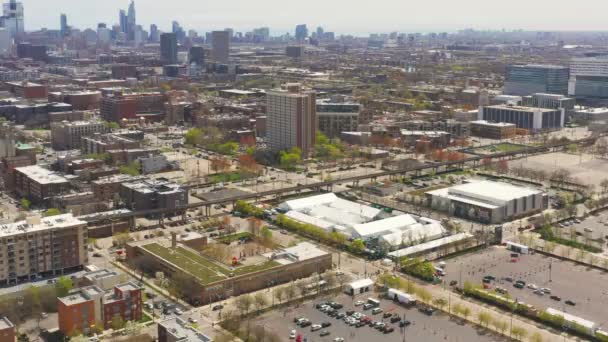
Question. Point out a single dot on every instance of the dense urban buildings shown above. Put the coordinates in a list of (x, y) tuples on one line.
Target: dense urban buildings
[(291, 118)]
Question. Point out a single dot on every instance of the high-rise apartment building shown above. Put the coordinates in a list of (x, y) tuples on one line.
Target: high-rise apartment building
[(42, 247), (337, 115), (13, 18), (589, 77), (532, 78), (220, 46), (168, 48), (291, 118), (131, 21), (154, 34)]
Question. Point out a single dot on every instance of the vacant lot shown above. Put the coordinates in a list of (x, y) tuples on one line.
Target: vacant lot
[(585, 287)]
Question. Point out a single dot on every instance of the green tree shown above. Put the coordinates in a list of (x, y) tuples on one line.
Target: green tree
[(260, 300), (289, 159), (131, 169), (358, 245), (63, 286), (466, 312), (52, 212), (536, 337), (244, 303), (112, 125), (519, 333), (193, 137), (25, 203), (440, 303), (266, 234), (484, 319)]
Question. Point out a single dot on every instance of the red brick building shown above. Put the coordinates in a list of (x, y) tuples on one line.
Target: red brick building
[(28, 90), (7, 330), (125, 301)]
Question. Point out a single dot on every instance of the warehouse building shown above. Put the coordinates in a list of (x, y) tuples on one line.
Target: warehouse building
[(488, 201)]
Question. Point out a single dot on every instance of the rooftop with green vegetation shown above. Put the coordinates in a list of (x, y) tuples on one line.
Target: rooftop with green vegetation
[(205, 270)]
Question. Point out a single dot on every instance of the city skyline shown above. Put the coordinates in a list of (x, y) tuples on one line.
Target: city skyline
[(363, 19)]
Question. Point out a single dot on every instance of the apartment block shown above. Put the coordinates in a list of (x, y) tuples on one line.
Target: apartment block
[(131, 106), (28, 90), (291, 118), (68, 135), (38, 247), (107, 188), (99, 143), (39, 184), (153, 194), (91, 305), (336, 115)]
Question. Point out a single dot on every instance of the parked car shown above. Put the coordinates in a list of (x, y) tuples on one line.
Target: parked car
[(395, 319), (292, 334), (217, 307), (569, 302), (555, 298), (324, 333), (326, 324), (359, 303), (387, 315), (388, 330), (405, 323), (367, 306), (316, 327), (427, 310), (376, 311)]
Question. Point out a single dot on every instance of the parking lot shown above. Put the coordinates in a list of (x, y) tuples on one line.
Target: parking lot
[(566, 280), (593, 227), (435, 328)]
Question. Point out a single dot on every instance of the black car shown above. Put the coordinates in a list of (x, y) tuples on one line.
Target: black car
[(404, 323), (519, 285), (333, 313), (555, 298), (388, 330), (427, 310), (324, 333), (218, 307), (336, 305), (305, 324), (395, 319), (340, 315), (387, 315), (571, 303), (350, 312), (319, 305), (453, 283), (325, 324)]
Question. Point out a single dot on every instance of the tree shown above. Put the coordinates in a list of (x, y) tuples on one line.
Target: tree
[(260, 300), (279, 294), (63, 286), (254, 225), (25, 203), (23, 338), (484, 319), (111, 125), (290, 292), (536, 337), (193, 136), (440, 302), (502, 166), (120, 239), (289, 159), (244, 303), (519, 333), (117, 322), (133, 328), (131, 169), (219, 164), (500, 326), (249, 164), (52, 212), (424, 295), (466, 312), (358, 245), (266, 234)]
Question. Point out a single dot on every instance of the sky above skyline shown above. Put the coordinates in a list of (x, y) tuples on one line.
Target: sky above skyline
[(341, 16)]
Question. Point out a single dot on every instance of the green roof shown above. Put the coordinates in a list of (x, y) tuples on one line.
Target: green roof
[(198, 266)]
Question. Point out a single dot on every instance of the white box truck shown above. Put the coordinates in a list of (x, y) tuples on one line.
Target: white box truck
[(401, 297)]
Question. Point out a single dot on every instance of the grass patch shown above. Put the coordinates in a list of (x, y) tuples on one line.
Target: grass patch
[(235, 237), (226, 177), (256, 268), (145, 317), (200, 268)]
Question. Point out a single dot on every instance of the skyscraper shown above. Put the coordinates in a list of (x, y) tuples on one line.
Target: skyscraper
[(291, 118), (63, 25), (13, 18), (154, 37), (197, 55), (301, 32), (220, 46), (122, 20), (168, 48), (131, 22)]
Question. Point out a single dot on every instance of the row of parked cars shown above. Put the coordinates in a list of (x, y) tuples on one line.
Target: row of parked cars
[(520, 284)]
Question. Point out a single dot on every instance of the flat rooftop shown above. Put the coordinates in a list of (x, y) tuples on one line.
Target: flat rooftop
[(521, 108), (41, 175), (5, 323), (31, 225), (81, 295), (485, 192), (183, 331), (494, 124)]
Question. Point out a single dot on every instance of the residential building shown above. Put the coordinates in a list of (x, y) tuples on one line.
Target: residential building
[(107, 223), (154, 163), (455, 128), (530, 118), (220, 46), (437, 139), (337, 115), (99, 143), (39, 184), (106, 188), (176, 329), (493, 130), (117, 107), (488, 201), (8, 332), (168, 48), (90, 306), (68, 135), (28, 90), (153, 194), (535, 78), (589, 77), (291, 118), (37, 247), (105, 279)]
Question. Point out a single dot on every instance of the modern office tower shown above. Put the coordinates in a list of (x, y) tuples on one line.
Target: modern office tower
[(168, 48), (63, 25), (154, 34), (291, 118), (104, 35), (261, 33), (533, 78), (13, 18), (530, 118), (122, 20), (301, 32), (44, 247), (320, 32), (5, 42), (197, 55), (220, 46), (131, 22), (589, 77)]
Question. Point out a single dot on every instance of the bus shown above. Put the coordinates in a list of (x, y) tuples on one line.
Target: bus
[(373, 302)]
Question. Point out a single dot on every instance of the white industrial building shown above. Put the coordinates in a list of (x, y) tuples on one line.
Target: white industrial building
[(360, 221), (488, 201)]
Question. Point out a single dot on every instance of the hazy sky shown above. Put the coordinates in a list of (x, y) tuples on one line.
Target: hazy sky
[(340, 16)]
